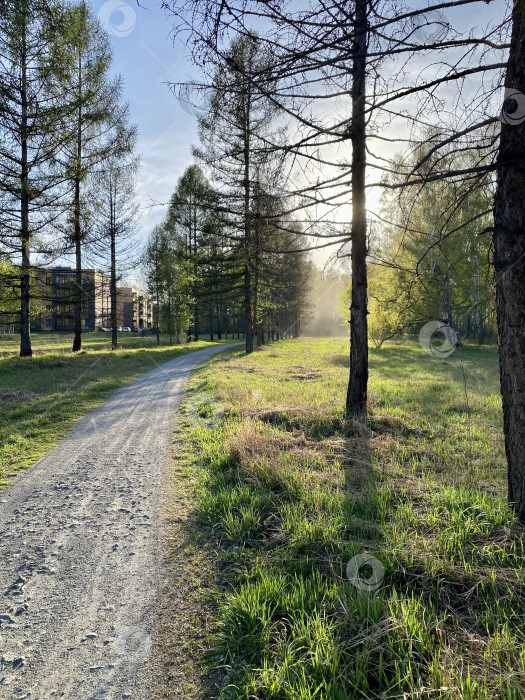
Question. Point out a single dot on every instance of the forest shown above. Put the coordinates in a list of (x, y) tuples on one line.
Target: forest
[(430, 110), (359, 165)]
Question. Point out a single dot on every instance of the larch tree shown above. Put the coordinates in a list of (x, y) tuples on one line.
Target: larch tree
[(509, 260), (96, 111), (187, 212), (115, 210), (234, 134), (31, 135)]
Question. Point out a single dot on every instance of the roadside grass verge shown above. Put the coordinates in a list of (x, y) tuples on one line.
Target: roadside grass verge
[(41, 397), (289, 493)]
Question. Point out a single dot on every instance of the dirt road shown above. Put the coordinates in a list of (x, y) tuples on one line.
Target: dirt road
[(81, 552)]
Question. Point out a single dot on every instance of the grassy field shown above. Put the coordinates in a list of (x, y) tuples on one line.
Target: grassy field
[(41, 397), (350, 560), (44, 343)]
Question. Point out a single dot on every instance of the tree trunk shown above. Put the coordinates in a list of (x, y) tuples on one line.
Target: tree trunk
[(113, 278), (77, 341), (196, 328), (25, 300), (247, 291), (219, 326), (247, 284), (169, 316), (356, 398), (25, 278), (509, 262), (157, 289)]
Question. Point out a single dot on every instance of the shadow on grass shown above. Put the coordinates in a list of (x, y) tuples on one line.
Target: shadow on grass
[(291, 496), (284, 554), (292, 623)]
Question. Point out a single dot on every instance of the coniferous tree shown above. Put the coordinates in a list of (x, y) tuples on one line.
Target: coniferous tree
[(509, 261), (170, 281), (32, 114), (115, 214), (185, 221), (233, 135), (93, 124)]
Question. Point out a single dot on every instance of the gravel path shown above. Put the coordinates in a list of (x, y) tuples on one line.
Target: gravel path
[(81, 552)]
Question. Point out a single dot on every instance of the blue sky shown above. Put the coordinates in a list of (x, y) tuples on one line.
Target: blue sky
[(147, 58)]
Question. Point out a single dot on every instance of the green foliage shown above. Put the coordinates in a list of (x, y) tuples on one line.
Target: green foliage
[(435, 261), (204, 249), (9, 293), (289, 492), (170, 282)]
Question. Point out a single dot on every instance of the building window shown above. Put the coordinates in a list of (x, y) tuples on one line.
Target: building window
[(48, 280)]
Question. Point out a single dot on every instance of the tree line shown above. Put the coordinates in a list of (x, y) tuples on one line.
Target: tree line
[(66, 152), (196, 268), (302, 110), (379, 94), (228, 258)]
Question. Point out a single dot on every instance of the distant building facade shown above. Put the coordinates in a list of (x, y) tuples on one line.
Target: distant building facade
[(134, 308), (56, 293)]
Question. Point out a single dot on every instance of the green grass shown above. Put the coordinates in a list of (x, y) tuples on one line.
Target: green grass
[(41, 397), (45, 342), (289, 492)]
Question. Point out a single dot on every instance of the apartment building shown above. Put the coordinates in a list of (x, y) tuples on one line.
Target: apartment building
[(57, 293), (134, 308)]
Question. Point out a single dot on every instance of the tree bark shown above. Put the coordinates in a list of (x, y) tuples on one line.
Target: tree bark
[(219, 326), (25, 236), (247, 282), (157, 289), (509, 263), (113, 277), (356, 398), (77, 341), (169, 316), (196, 327)]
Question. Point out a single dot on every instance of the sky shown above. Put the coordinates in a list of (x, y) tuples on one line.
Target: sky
[(148, 58)]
